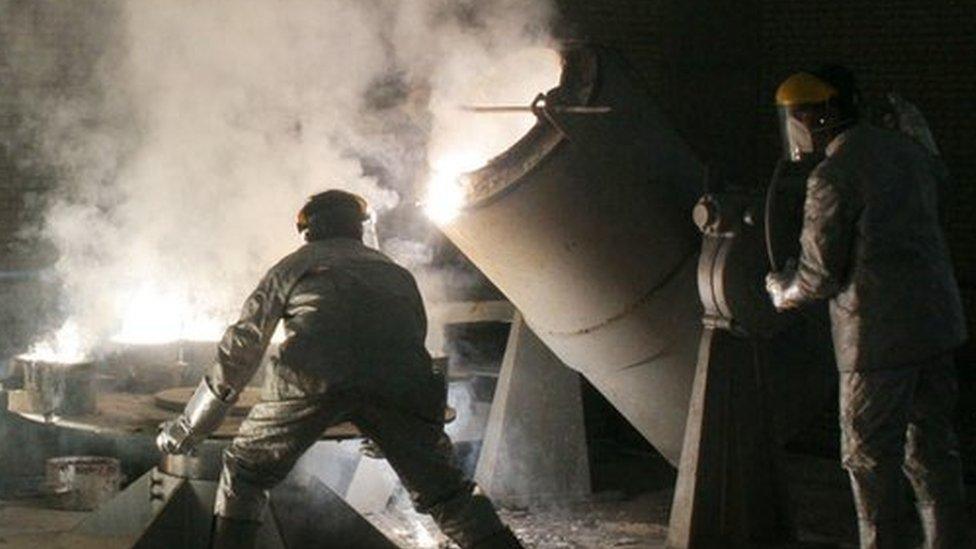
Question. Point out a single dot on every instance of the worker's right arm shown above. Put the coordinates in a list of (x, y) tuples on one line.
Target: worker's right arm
[(238, 357), (830, 214)]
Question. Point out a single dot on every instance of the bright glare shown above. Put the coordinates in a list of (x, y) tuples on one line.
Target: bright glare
[(418, 532), (149, 316), (463, 141), (64, 346), (445, 197), (445, 192), (424, 538)]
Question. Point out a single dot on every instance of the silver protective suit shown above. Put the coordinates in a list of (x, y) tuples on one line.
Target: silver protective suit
[(354, 351), (203, 414), (872, 243)]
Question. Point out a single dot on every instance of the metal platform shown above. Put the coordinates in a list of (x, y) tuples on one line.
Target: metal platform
[(120, 413), (160, 510), (172, 505)]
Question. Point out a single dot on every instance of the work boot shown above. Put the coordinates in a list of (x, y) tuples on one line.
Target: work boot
[(502, 539), (945, 526), (234, 534)]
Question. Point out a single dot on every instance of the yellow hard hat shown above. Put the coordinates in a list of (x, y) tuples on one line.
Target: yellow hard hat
[(804, 88)]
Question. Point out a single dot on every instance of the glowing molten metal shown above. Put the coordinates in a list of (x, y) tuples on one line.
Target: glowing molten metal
[(463, 140)]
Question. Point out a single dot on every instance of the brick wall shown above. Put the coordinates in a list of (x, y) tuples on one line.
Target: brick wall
[(715, 69)]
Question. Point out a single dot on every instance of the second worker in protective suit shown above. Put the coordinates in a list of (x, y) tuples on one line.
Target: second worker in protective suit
[(872, 244), (354, 351)]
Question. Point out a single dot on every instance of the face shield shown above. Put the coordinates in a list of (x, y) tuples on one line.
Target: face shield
[(802, 101), (798, 126)]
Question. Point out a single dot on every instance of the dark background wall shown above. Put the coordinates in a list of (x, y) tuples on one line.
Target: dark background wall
[(715, 67)]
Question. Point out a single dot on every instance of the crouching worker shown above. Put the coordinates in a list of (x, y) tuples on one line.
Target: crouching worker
[(355, 327)]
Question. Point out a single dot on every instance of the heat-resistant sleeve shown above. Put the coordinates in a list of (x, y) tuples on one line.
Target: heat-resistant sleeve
[(244, 343), (830, 214)]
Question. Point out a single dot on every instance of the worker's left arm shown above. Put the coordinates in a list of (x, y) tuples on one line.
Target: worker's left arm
[(239, 354), (829, 226)]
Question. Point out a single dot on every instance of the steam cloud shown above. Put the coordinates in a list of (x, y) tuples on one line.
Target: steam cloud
[(203, 126)]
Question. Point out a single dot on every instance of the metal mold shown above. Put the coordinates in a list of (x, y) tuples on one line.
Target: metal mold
[(204, 464), (82, 483), (54, 388)]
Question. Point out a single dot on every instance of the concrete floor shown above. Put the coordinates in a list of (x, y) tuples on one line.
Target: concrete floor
[(819, 493), (640, 522), (25, 525), (635, 522), (821, 500)]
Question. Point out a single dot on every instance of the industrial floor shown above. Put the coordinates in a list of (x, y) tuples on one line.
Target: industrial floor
[(821, 500), (610, 520), (27, 526), (824, 516)]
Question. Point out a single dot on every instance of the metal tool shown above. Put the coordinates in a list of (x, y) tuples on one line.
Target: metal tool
[(541, 109), (570, 109)]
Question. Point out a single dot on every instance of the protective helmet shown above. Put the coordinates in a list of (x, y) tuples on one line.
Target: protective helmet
[(333, 206), (802, 101), (812, 103)]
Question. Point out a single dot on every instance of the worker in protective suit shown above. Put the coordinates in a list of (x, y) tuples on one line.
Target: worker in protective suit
[(871, 243), (355, 327)]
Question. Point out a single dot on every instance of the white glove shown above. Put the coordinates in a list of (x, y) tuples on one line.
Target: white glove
[(782, 287)]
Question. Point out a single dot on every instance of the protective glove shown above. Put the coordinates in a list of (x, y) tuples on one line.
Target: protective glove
[(783, 288), (203, 414)]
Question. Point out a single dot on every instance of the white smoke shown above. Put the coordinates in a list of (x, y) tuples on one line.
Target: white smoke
[(208, 123)]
